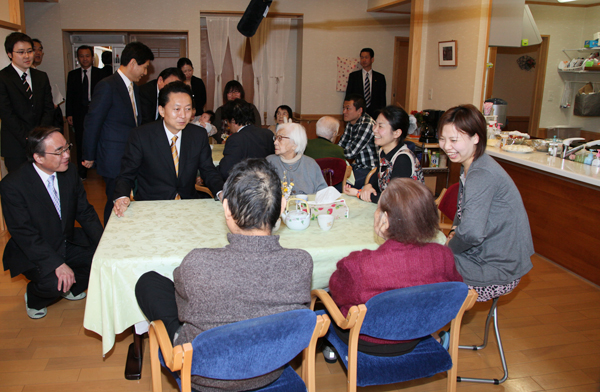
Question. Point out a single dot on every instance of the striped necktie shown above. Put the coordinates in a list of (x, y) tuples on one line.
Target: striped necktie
[(175, 159), (367, 90), (133, 102), (27, 88), (53, 194)]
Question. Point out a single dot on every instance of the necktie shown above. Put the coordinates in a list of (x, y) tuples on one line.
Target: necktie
[(53, 194), (367, 90), (86, 89), (133, 102), (175, 160), (27, 88)]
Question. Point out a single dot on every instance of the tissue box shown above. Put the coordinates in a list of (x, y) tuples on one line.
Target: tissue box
[(594, 43), (338, 209)]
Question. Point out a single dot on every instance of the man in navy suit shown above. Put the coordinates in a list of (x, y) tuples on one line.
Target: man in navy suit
[(149, 92), (81, 84), (164, 156), (114, 111), (25, 99), (41, 202), (368, 83)]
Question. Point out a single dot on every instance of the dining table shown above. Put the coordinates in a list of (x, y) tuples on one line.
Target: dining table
[(157, 235)]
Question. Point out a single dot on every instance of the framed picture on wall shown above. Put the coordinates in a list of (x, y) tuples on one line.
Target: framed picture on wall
[(447, 54)]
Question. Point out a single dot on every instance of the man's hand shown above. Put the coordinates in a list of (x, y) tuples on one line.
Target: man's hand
[(70, 120), (88, 164), (65, 276), (121, 205), (366, 192)]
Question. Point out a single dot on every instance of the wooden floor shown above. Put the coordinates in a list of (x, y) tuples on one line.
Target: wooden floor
[(550, 327)]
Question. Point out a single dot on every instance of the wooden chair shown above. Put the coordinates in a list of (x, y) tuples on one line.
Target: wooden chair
[(368, 178), (402, 314), (204, 189), (259, 346)]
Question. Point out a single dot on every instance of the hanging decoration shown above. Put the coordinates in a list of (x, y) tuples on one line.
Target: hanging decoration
[(526, 63)]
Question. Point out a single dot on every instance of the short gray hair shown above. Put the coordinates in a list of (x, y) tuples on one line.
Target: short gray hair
[(297, 134), (327, 127)]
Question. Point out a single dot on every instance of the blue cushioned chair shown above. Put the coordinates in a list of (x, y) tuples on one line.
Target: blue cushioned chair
[(402, 314), (242, 350)]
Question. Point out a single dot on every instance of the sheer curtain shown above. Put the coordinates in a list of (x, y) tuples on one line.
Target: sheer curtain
[(257, 44), (277, 47), (237, 46), (217, 30)]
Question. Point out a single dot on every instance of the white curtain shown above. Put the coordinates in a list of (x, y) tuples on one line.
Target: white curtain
[(277, 47), (217, 30), (237, 46), (257, 44)]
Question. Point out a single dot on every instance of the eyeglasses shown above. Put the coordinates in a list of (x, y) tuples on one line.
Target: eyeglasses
[(279, 137), (23, 52), (62, 151)]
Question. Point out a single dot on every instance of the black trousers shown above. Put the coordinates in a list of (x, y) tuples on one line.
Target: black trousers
[(360, 175), (155, 295), (111, 183), (13, 163), (43, 290), (78, 130)]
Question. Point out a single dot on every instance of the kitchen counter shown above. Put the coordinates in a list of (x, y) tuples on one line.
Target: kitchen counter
[(569, 170), (562, 199)]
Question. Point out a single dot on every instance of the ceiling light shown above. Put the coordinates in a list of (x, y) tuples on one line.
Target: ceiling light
[(564, 1)]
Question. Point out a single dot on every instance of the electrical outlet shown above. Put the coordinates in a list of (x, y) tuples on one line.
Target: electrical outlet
[(430, 94)]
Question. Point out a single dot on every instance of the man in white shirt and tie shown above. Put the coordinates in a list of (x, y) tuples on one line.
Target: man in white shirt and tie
[(41, 202), (114, 111), (368, 83)]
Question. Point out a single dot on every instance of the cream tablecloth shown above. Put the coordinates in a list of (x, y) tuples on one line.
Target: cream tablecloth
[(156, 235)]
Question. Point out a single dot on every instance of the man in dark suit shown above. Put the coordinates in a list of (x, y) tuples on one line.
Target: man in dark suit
[(114, 111), (25, 99), (246, 140), (368, 83), (81, 83), (165, 156), (149, 92), (41, 202)]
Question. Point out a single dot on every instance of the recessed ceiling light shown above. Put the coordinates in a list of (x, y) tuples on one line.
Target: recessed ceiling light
[(565, 1)]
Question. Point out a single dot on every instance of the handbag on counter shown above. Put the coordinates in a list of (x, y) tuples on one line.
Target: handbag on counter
[(587, 102)]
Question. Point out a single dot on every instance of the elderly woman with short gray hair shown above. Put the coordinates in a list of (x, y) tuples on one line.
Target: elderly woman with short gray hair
[(290, 162)]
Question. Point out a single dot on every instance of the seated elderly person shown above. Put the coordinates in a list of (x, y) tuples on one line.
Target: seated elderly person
[(324, 145), (282, 115), (251, 277), (290, 162), (407, 218)]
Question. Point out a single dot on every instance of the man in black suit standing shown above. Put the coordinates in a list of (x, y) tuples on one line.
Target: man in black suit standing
[(41, 202), (246, 140), (368, 83), (149, 92), (164, 156), (81, 83), (114, 111), (25, 99)]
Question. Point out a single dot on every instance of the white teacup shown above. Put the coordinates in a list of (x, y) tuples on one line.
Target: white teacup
[(325, 221), (303, 197)]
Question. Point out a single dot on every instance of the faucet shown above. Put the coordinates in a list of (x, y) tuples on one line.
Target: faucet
[(567, 142)]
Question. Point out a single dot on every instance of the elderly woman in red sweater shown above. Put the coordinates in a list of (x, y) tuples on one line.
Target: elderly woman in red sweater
[(406, 217)]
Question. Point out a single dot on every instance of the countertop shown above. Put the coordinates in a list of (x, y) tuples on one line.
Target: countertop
[(553, 165)]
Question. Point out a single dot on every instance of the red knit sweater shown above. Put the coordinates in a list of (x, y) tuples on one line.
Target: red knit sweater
[(364, 274)]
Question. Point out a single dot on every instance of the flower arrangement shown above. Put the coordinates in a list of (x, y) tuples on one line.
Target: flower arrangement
[(286, 188), (421, 117)]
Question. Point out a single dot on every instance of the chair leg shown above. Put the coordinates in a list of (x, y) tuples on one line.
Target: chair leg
[(493, 313)]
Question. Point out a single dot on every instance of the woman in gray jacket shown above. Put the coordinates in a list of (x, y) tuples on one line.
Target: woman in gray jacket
[(491, 238)]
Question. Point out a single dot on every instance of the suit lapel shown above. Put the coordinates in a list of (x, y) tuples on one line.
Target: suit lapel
[(138, 103), (18, 83), (123, 91), (164, 150), (65, 196), (40, 191)]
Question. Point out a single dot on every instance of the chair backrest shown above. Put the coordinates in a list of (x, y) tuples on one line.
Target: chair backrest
[(333, 170), (413, 312), (447, 204), (253, 347)]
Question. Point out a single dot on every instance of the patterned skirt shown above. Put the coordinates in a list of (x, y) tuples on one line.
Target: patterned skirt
[(486, 293)]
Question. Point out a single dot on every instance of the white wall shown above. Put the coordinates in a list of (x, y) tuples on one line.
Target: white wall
[(513, 84), (567, 27), (331, 28), (465, 21)]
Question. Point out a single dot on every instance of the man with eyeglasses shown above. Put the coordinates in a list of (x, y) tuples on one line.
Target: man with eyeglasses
[(246, 140), (41, 202), (25, 99)]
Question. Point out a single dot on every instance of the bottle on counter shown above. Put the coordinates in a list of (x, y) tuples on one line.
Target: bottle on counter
[(425, 158)]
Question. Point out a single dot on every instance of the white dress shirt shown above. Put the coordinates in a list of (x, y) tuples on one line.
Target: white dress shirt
[(21, 75)]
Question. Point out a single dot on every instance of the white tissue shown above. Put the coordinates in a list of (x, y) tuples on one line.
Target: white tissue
[(327, 195)]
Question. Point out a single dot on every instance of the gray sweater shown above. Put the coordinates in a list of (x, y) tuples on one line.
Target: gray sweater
[(304, 173), (492, 244), (251, 277)]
